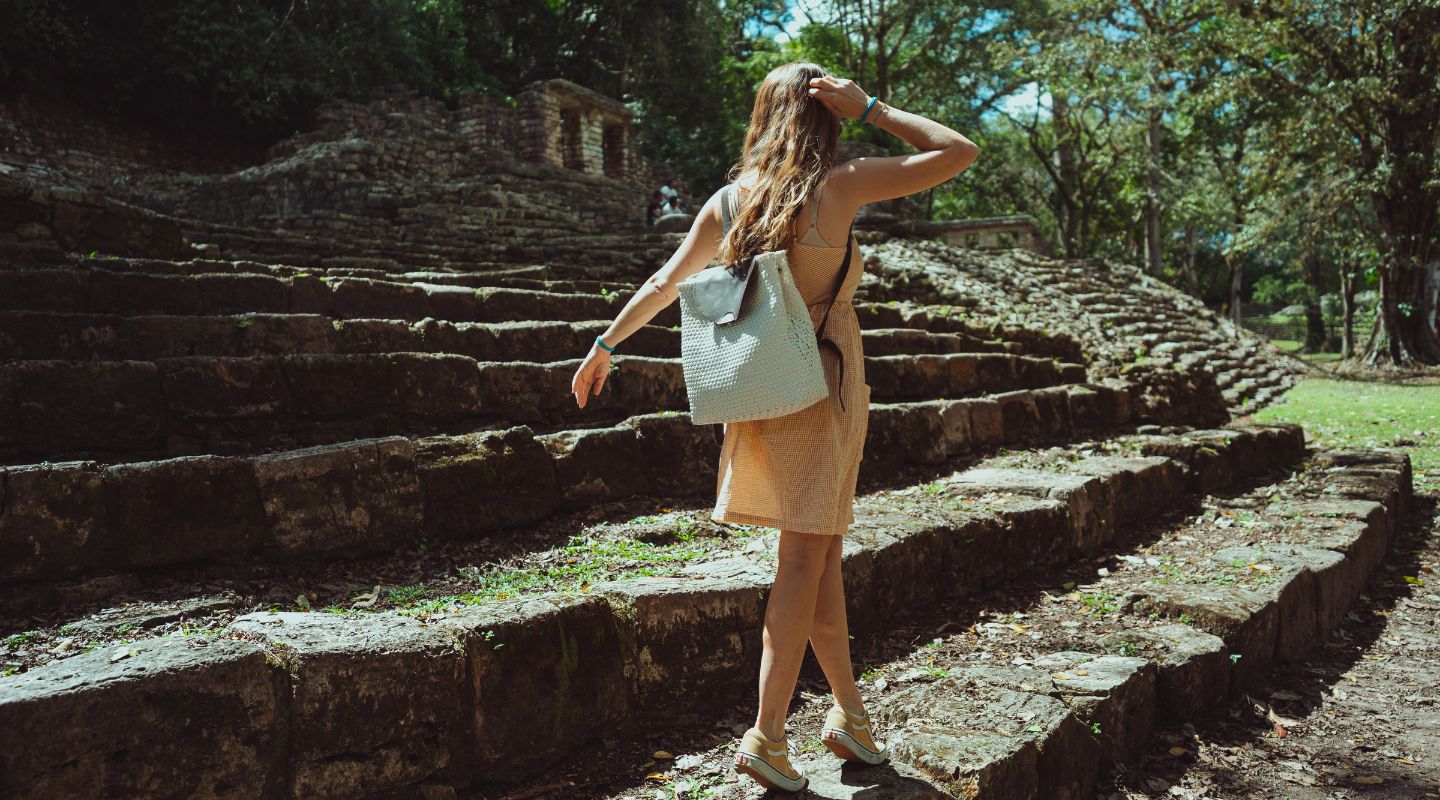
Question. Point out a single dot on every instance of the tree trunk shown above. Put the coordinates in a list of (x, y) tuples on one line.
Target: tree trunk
[(1069, 172), (1233, 295), (1407, 202), (1347, 296), (1314, 320), (1152, 199)]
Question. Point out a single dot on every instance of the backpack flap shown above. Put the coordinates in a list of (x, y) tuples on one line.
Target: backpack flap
[(717, 294)]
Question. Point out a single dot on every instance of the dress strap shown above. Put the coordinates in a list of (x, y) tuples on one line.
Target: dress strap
[(815, 206)]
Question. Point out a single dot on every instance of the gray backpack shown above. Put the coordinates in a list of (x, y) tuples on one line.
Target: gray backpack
[(747, 346)]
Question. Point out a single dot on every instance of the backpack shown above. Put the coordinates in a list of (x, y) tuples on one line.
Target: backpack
[(747, 345)]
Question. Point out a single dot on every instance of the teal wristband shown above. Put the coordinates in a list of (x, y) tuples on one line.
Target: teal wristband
[(867, 108), (607, 348)]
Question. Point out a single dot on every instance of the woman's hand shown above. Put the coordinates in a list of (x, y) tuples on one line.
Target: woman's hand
[(840, 95), (590, 377)]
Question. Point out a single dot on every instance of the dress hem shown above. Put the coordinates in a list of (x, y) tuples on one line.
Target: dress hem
[(742, 518)]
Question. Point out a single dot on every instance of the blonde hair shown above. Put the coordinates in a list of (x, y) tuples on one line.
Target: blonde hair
[(790, 148)]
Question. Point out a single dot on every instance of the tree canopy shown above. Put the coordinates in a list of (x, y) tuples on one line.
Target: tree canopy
[(1275, 150)]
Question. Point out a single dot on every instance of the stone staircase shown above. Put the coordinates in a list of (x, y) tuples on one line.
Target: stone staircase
[(171, 427), (314, 515), (476, 697), (159, 414), (1129, 321)]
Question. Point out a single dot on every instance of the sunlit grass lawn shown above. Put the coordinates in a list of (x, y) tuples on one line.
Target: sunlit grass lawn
[(1292, 347), (1358, 414)]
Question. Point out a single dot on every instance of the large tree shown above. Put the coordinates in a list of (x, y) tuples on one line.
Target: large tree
[(1369, 71)]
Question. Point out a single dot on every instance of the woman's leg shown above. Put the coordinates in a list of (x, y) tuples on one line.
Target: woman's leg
[(830, 633), (789, 614)]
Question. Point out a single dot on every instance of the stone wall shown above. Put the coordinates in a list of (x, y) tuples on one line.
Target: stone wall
[(91, 147)]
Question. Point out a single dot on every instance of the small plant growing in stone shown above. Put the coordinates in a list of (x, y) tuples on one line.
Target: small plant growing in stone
[(607, 294)]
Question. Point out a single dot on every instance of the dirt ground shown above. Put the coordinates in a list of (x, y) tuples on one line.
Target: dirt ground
[(1360, 719)]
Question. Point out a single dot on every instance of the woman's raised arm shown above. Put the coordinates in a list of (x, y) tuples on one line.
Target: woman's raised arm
[(944, 152)]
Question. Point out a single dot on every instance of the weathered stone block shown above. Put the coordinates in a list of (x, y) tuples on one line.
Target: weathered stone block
[(1136, 490), (1021, 417), (680, 458), (163, 336), (1192, 667), (180, 510), (64, 406), (1089, 505), (377, 336), (284, 333), (485, 481), (342, 387), (437, 387), (502, 305), (139, 293), (1358, 529), (585, 463), (354, 498), (1114, 694), (987, 421), (1248, 622), (53, 521), (548, 677), (45, 290), (240, 293), (176, 718), (378, 701), (992, 732), (353, 298), (454, 303), (690, 643), (205, 387), (1308, 586), (1052, 408)]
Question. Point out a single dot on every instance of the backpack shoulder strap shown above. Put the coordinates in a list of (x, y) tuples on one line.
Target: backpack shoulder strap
[(727, 199)]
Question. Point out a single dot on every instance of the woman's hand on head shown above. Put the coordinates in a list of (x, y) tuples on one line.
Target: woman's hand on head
[(841, 95), (590, 377)]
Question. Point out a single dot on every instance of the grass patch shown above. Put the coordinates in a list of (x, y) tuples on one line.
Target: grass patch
[(571, 569), (1338, 413)]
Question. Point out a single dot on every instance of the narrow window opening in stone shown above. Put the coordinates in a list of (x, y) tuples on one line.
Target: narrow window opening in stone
[(570, 140), (615, 151)]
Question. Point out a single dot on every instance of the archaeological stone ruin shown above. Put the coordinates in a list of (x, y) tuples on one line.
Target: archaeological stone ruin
[(253, 413)]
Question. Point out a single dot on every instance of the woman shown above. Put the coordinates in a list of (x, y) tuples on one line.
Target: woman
[(798, 472)]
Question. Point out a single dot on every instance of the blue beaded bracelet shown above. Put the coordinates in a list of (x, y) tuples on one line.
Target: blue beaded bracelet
[(607, 348), (868, 107)]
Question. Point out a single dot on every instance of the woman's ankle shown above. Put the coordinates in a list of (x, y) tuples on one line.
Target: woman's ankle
[(854, 707), (776, 735)]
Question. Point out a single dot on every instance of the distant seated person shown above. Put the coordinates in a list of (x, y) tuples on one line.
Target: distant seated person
[(673, 203), (657, 207)]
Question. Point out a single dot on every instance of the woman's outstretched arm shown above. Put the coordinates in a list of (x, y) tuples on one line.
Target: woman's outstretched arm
[(658, 291)]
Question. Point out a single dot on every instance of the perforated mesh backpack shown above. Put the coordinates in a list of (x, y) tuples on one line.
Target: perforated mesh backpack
[(747, 345)]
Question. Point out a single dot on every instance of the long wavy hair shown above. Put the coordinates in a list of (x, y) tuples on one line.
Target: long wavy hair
[(789, 148)]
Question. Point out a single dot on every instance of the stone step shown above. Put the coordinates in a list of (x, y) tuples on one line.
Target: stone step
[(110, 290), (59, 410), (64, 336), (550, 671), (104, 291), (70, 519)]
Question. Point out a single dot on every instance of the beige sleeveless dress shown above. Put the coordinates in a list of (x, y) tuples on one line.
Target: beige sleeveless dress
[(798, 472)]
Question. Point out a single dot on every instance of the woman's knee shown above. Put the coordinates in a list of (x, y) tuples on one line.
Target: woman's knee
[(805, 551)]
